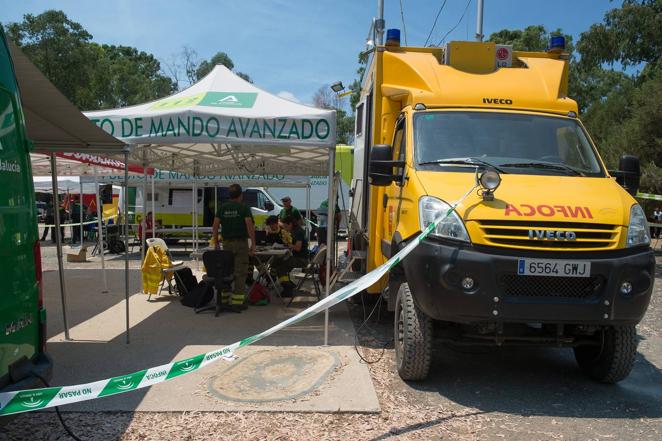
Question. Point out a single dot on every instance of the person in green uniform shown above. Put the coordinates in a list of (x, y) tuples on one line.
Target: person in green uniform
[(236, 222), (289, 210)]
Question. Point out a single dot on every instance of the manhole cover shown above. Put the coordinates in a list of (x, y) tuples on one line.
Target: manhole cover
[(274, 375)]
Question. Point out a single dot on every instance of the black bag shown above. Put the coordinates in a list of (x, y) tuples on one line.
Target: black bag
[(116, 247), (199, 296), (185, 281)]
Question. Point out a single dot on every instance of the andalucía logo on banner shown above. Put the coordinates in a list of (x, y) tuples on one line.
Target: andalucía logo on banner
[(122, 384), (31, 399), (228, 99), (185, 366)]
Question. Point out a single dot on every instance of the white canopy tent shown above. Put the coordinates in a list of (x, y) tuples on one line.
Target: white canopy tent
[(224, 125)]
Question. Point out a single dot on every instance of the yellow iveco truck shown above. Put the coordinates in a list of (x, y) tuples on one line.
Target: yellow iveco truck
[(550, 250)]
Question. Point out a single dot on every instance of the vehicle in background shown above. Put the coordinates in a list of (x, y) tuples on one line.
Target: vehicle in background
[(549, 250), (22, 313), (174, 204)]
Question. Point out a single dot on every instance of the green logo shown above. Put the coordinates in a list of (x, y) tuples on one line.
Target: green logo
[(185, 366), (30, 400), (229, 99), (122, 384)]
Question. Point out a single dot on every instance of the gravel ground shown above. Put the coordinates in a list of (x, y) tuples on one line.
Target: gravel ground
[(409, 411)]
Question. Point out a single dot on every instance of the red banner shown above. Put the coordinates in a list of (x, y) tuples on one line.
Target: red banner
[(102, 161)]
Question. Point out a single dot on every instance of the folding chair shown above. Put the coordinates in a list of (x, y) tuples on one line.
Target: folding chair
[(311, 271), (165, 272), (220, 271)]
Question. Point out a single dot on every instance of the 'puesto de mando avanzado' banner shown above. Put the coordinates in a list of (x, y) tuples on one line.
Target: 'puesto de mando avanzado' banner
[(216, 128)]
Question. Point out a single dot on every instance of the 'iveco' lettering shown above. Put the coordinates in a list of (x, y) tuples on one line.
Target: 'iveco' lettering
[(544, 210), (552, 235), (497, 101)]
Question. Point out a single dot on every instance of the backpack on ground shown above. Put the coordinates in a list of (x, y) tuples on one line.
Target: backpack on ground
[(185, 281), (199, 296)]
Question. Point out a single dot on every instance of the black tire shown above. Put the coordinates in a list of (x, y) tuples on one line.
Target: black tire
[(613, 359), (413, 337)]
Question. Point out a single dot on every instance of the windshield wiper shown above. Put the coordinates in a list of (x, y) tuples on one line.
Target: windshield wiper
[(473, 162), (544, 165)]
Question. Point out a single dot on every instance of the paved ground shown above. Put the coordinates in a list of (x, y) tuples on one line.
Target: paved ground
[(474, 395), (291, 371)]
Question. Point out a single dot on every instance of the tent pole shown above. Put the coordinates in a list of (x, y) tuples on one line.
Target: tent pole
[(126, 237), (143, 221), (329, 236), (215, 200), (194, 203), (153, 211), (58, 244), (80, 209), (100, 231), (309, 227)]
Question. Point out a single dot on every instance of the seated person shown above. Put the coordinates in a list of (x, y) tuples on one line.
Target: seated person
[(299, 259), (276, 234)]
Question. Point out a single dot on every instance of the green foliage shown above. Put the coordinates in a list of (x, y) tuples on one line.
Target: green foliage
[(90, 75), (532, 38), (628, 35), (345, 127), (624, 112), (220, 58), (621, 110), (206, 66)]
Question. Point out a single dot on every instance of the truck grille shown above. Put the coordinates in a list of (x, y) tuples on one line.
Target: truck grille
[(515, 234), (555, 287)]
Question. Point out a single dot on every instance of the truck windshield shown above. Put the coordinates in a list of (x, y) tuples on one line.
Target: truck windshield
[(518, 143)]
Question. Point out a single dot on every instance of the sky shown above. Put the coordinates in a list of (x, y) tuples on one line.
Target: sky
[(293, 47)]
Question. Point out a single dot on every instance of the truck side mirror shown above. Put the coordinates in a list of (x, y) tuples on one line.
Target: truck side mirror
[(628, 173), (268, 205), (380, 170)]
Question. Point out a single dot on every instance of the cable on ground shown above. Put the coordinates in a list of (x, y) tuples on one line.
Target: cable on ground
[(57, 410)]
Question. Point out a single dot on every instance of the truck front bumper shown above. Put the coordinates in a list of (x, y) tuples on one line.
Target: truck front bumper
[(435, 270)]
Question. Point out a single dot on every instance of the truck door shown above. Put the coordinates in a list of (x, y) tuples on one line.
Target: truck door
[(392, 202)]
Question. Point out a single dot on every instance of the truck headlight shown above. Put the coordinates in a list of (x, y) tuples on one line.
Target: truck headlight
[(451, 227), (638, 228)]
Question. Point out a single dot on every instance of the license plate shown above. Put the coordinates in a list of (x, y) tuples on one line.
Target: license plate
[(553, 267)]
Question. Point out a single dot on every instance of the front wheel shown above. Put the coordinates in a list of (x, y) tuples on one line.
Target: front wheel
[(612, 360), (413, 337)]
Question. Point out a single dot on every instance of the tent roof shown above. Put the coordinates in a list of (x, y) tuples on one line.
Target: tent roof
[(82, 164), (53, 122), (225, 125)]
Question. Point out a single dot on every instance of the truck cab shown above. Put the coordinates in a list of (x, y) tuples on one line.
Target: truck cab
[(553, 252), (22, 313)]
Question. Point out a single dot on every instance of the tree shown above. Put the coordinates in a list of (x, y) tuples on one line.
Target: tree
[(220, 58), (126, 76), (59, 47), (90, 75), (325, 98), (206, 66), (624, 117), (629, 35), (183, 65)]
